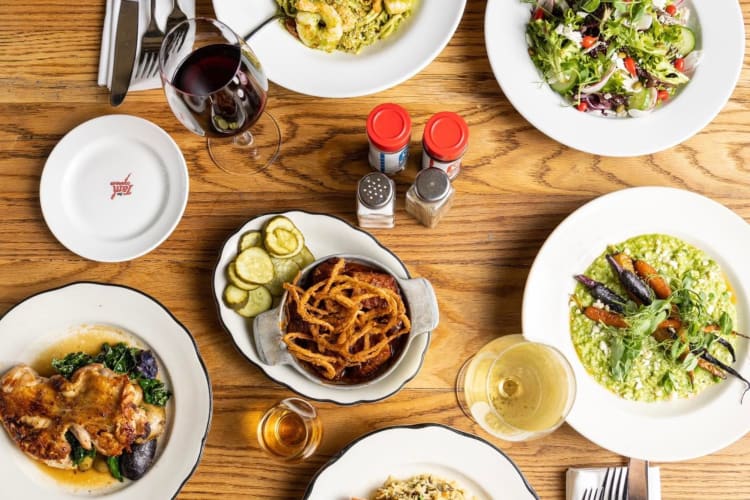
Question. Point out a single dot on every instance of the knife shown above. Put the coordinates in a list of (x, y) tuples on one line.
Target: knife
[(126, 41), (637, 479)]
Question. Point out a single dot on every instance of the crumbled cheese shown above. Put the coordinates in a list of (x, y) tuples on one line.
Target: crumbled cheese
[(598, 304), (569, 33), (604, 347), (660, 4)]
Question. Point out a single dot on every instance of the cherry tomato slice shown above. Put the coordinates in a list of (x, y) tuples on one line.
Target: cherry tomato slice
[(671, 9), (538, 14), (588, 41), (679, 64), (662, 95), (630, 66), (582, 107)]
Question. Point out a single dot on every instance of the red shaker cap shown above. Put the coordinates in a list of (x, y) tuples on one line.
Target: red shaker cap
[(446, 136), (389, 127)]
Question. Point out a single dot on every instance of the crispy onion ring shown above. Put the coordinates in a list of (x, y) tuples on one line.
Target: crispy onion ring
[(343, 330)]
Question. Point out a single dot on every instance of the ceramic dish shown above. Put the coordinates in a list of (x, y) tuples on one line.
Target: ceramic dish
[(43, 319), (480, 468), (324, 235), (651, 431), (721, 39), (289, 63), (114, 188)]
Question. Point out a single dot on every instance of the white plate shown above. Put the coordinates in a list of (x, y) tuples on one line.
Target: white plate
[(324, 235), (41, 320), (114, 188), (386, 63), (721, 38), (664, 431), (363, 466)]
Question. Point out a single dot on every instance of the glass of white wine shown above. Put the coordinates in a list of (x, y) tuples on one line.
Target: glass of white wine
[(515, 389)]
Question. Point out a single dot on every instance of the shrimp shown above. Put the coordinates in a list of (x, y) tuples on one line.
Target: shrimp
[(394, 7), (319, 25)]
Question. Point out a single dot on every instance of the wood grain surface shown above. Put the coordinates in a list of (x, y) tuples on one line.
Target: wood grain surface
[(517, 185)]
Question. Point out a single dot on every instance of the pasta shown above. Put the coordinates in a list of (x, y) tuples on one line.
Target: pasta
[(345, 25)]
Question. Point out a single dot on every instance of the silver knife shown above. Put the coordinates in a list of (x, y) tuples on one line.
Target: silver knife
[(126, 41), (637, 479)]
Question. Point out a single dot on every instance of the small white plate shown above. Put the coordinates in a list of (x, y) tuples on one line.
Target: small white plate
[(384, 64), (43, 319), (662, 431), (721, 38), (478, 467), (114, 188), (324, 235)]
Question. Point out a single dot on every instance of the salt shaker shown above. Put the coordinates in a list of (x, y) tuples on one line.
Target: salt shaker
[(430, 197), (376, 201)]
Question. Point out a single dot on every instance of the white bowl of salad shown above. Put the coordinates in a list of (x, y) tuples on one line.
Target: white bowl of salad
[(616, 77)]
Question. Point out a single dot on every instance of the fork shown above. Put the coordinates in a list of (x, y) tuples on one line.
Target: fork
[(150, 45), (175, 17), (615, 484), (592, 494)]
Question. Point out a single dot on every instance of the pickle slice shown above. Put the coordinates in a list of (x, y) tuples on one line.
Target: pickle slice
[(237, 281), (258, 301), (282, 238), (285, 270), (235, 297), (254, 265), (304, 258), (250, 239)]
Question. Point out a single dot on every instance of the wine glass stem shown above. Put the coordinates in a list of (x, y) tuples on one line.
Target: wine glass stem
[(244, 139)]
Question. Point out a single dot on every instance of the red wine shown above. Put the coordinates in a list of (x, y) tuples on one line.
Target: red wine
[(220, 91), (208, 69)]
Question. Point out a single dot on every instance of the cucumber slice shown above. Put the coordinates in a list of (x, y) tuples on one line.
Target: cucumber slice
[(235, 297), (282, 238), (258, 301), (304, 258), (237, 281), (254, 265), (564, 83), (250, 239), (686, 43)]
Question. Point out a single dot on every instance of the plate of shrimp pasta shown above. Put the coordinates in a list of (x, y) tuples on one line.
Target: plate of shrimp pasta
[(343, 48), (652, 313)]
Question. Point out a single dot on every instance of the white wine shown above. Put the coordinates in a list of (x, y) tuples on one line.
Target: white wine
[(518, 390)]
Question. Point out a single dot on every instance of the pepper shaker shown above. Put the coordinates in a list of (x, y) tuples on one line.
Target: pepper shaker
[(430, 197), (376, 201)]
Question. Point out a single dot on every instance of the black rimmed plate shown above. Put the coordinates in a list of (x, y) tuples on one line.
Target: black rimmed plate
[(478, 467), (42, 320), (324, 235)]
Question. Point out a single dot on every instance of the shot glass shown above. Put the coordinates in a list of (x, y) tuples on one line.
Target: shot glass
[(290, 430)]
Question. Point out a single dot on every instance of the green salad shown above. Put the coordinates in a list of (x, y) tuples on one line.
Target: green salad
[(613, 57)]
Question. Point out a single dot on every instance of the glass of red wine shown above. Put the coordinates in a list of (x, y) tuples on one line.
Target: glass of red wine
[(216, 87)]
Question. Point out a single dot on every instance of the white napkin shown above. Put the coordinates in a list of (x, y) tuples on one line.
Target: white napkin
[(106, 55), (578, 480)]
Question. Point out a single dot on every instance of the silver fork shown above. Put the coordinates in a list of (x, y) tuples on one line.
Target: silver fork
[(592, 494), (614, 486), (148, 62), (175, 17)]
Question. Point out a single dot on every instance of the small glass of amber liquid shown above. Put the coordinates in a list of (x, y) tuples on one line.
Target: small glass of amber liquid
[(290, 430)]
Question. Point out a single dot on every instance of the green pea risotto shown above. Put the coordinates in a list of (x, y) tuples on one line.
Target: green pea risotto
[(670, 344)]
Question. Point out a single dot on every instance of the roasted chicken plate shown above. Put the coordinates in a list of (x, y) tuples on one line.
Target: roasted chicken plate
[(103, 409)]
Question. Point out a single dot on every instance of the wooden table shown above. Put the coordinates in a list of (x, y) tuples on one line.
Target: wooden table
[(517, 185)]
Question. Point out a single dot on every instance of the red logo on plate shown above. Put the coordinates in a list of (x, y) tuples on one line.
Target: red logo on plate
[(121, 188)]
